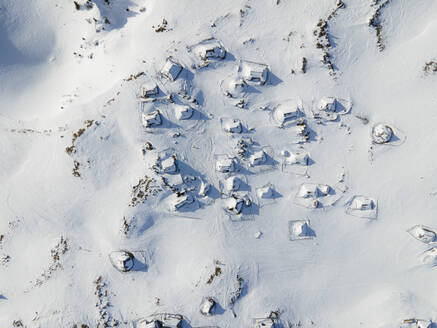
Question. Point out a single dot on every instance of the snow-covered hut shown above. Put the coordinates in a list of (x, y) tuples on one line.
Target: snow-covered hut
[(152, 119), (258, 158), (254, 72), (171, 69), (225, 165), (183, 112), (149, 89), (207, 306), (123, 261)]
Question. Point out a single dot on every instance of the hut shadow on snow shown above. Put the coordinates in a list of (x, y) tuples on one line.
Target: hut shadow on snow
[(116, 12), (273, 79)]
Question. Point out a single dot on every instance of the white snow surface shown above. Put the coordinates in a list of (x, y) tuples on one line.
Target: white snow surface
[(79, 182)]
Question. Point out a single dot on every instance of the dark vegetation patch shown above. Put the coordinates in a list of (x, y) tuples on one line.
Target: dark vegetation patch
[(430, 67), (143, 189), (321, 32), (70, 150), (217, 272), (56, 254), (304, 65), (376, 23), (162, 27), (134, 77)]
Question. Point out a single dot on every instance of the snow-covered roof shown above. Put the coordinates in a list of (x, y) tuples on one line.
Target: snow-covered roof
[(207, 306), (204, 188), (417, 323), (424, 234), (171, 69), (265, 191), (297, 158), (286, 112), (232, 183), (235, 204), (263, 323), (254, 72), (300, 229), (258, 158), (430, 256), (152, 119), (160, 320), (183, 112), (149, 89), (308, 190), (324, 189), (225, 165), (210, 49), (328, 104), (168, 165), (362, 206), (235, 87), (182, 201), (362, 203), (232, 126)]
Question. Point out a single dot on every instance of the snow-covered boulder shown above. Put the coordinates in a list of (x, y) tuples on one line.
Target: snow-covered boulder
[(149, 89), (207, 306), (123, 261), (300, 229), (183, 112), (382, 133), (254, 72), (424, 234), (171, 69), (152, 119), (258, 158), (225, 165)]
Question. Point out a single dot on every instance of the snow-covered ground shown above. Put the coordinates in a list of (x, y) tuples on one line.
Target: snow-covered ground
[(302, 191)]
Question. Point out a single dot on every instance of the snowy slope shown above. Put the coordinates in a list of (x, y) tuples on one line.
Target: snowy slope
[(79, 181)]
